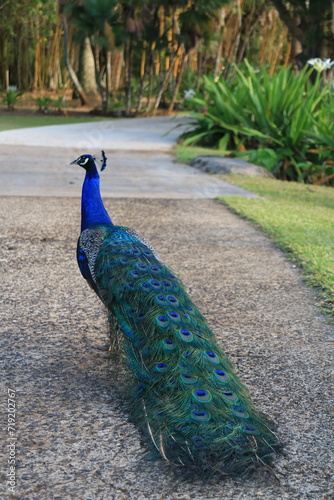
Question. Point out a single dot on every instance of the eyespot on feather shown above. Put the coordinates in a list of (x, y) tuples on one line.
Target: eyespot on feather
[(168, 344), (186, 335), (161, 367), (140, 316), (141, 266), (230, 396), (173, 300), (162, 321), (221, 376), (187, 379), (200, 416), (212, 357), (161, 299), (155, 284), (202, 396), (240, 412), (174, 315)]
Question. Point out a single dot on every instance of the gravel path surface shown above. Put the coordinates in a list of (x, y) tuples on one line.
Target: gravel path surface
[(74, 439)]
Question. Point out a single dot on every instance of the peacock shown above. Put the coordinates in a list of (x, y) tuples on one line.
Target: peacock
[(185, 396)]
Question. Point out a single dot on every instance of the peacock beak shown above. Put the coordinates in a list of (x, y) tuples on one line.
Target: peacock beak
[(74, 161)]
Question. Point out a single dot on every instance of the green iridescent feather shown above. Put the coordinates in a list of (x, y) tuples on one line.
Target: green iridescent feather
[(187, 398)]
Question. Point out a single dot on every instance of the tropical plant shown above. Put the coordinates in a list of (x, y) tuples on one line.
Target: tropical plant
[(323, 136), (11, 98), (59, 105), (259, 112), (44, 103)]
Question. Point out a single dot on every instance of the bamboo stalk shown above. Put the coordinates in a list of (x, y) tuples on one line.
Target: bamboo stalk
[(263, 44), (287, 55), (36, 65), (178, 82), (217, 67), (270, 47), (169, 42), (238, 26), (143, 61)]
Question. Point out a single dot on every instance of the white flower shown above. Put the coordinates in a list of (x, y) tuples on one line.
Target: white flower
[(321, 64), (188, 94)]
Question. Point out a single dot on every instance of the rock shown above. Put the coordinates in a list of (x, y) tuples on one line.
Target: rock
[(224, 166)]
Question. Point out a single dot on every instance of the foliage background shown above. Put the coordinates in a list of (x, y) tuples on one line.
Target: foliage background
[(136, 54)]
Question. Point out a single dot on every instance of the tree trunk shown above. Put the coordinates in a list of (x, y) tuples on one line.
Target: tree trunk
[(128, 77), (103, 91), (150, 79), (52, 59), (164, 83), (220, 32), (108, 73), (143, 69), (87, 68), (37, 66), (74, 78), (118, 58)]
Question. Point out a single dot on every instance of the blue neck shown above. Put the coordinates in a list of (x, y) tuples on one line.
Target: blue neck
[(92, 208)]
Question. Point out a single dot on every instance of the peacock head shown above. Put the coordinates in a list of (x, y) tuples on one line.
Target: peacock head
[(88, 161)]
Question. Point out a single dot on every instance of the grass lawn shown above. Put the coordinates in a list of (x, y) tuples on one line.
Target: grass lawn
[(10, 121), (298, 217)]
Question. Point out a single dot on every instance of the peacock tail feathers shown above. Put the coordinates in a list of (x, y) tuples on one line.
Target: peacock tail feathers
[(187, 398)]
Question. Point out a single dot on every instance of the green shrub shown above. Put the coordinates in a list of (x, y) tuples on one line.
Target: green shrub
[(44, 104), (273, 120), (11, 98), (59, 105)]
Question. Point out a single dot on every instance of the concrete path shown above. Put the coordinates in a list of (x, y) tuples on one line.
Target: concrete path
[(35, 161), (138, 134)]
